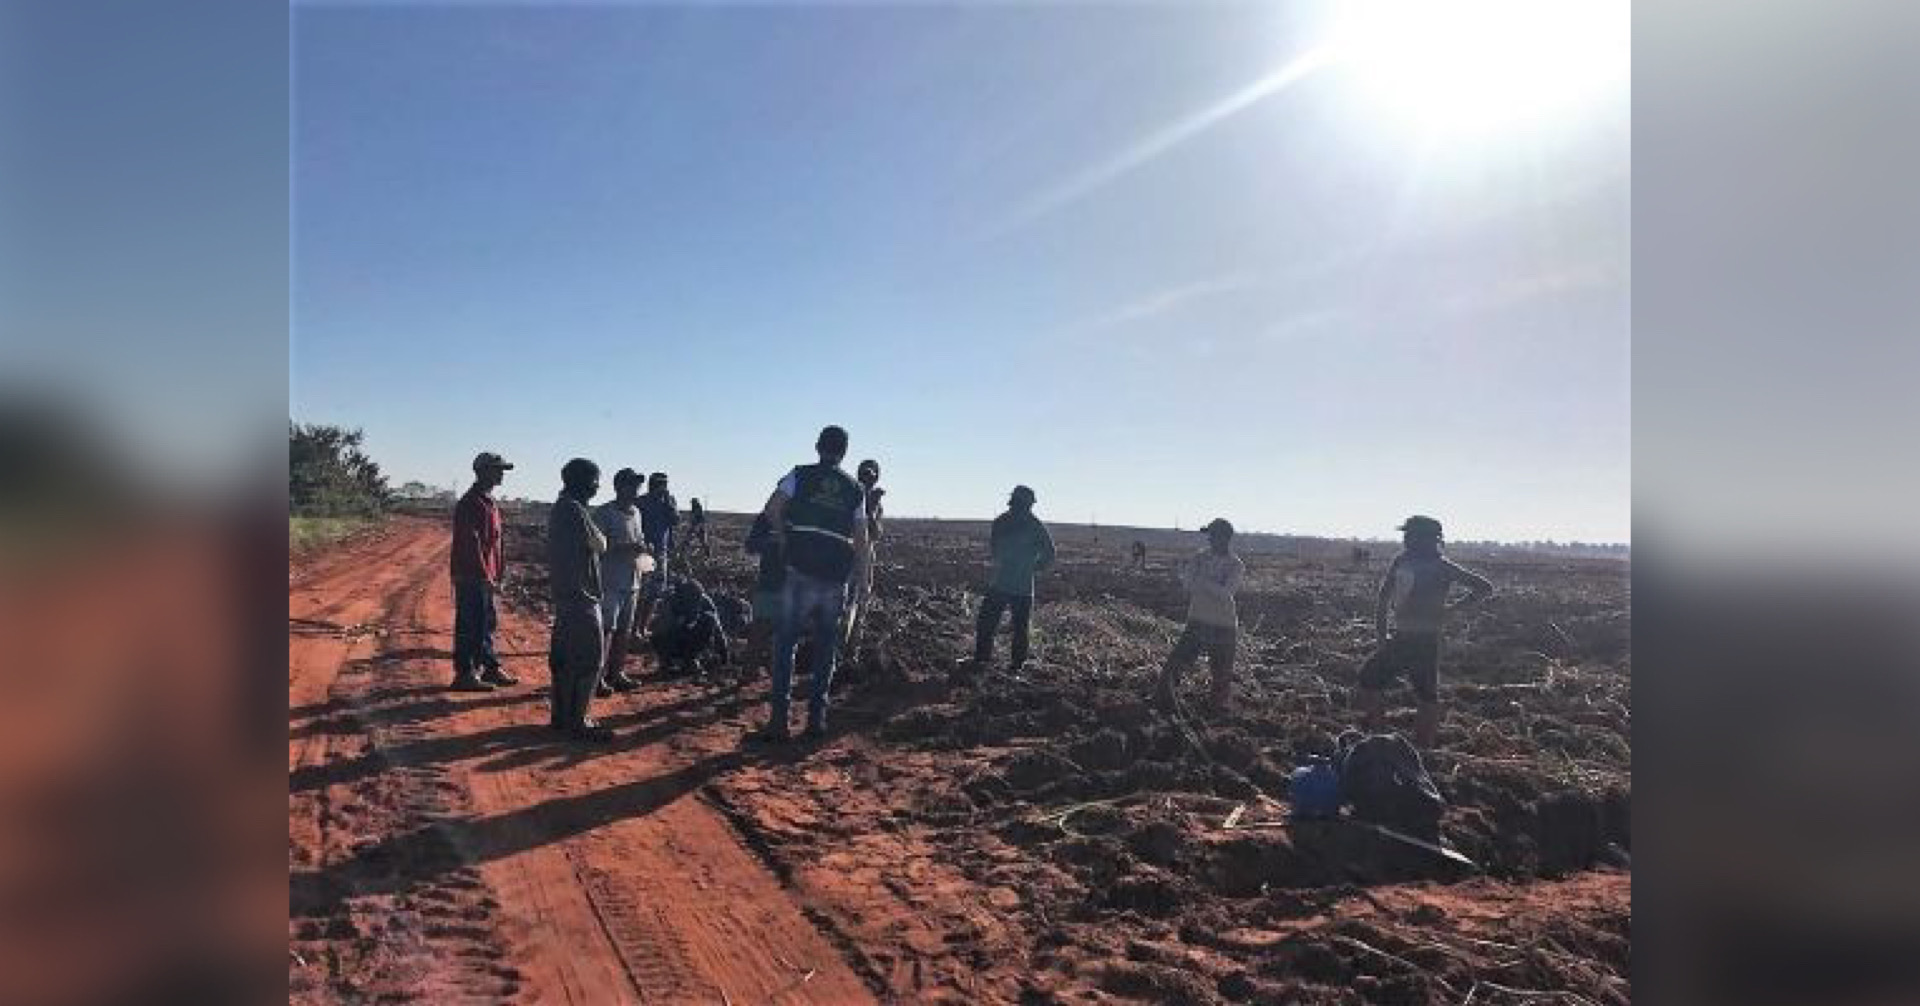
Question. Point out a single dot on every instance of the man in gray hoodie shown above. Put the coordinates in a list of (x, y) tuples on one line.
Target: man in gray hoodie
[(576, 653)]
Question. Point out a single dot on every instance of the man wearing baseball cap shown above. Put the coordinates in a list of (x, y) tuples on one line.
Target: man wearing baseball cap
[(620, 569), (477, 564), (1021, 547), (1213, 622), (1414, 595)]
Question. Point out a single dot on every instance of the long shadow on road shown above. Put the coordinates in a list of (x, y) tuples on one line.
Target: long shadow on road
[(570, 755), (518, 745), (419, 857), (351, 717)]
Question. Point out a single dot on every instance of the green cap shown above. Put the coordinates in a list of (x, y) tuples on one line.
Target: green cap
[(1421, 527)]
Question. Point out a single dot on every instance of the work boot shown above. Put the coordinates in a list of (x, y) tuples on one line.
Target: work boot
[(964, 672), (468, 683), (620, 682), (588, 730), (496, 676), (772, 733)]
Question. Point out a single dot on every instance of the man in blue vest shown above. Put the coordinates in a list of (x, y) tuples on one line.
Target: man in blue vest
[(817, 515)]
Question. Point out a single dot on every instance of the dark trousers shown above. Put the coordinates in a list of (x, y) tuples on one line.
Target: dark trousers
[(1218, 642), (991, 608), (474, 619), (575, 657), (678, 642)]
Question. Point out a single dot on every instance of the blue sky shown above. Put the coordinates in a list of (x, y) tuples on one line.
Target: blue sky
[(1078, 246)]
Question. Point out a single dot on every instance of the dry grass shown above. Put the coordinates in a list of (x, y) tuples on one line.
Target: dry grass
[(305, 533)]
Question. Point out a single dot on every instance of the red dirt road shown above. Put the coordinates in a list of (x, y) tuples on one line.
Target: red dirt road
[(448, 847)]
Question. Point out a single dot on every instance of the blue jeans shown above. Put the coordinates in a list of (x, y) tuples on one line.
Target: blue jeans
[(811, 605), (474, 619)]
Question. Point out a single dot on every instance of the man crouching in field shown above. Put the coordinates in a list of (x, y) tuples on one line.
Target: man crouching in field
[(574, 546), (1414, 594), (1213, 624)]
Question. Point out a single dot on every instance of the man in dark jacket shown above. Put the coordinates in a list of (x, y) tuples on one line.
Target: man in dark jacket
[(478, 562), (659, 516), (1021, 547), (575, 654), (697, 526), (689, 630), (818, 521)]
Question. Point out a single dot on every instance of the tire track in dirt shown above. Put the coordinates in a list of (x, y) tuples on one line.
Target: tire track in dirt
[(370, 937), (913, 926), (689, 914), (455, 850)]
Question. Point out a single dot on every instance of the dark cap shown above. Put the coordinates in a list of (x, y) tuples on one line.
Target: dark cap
[(1421, 527), (1217, 524), (625, 476), (1023, 493), (488, 459)]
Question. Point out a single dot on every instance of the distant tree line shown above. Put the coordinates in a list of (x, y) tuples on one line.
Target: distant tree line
[(330, 476), (417, 490)]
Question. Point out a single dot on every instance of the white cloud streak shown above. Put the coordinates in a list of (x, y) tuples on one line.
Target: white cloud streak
[(1157, 143), (1161, 302)]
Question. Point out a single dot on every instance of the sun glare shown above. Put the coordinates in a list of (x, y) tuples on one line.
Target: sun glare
[(1477, 66)]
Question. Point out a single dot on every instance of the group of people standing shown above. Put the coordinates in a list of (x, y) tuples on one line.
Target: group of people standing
[(610, 567), (815, 539)]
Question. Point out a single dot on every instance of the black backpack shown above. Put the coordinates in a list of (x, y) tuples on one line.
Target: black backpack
[(1382, 777)]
